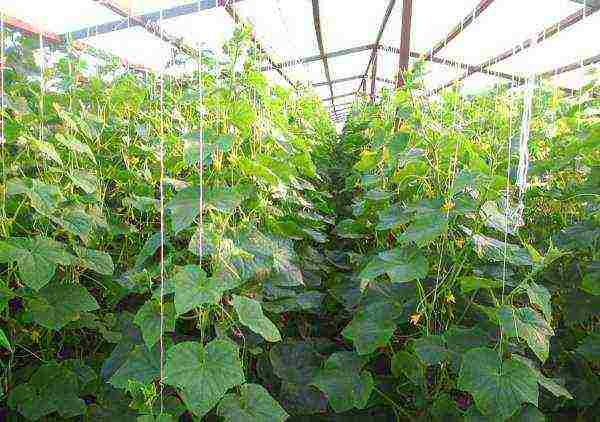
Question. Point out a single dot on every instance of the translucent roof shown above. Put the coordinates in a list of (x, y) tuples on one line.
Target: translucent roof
[(467, 33)]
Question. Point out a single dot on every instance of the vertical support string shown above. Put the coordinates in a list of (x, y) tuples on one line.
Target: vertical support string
[(162, 224), (2, 140), (201, 154)]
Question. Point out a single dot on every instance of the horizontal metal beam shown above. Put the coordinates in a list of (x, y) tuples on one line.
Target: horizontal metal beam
[(547, 33), (335, 81), (338, 96), (51, 38), (145, 19), (350, 104), (29, 29), (316, 58), (570, 67), (452, 63)]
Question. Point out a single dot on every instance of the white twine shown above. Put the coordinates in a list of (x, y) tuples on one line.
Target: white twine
[(162, 226)]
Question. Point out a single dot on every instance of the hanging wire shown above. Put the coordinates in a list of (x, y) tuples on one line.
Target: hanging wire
[(507, 200), (2, 95), (451, 174), (201, 153), (162, 221)]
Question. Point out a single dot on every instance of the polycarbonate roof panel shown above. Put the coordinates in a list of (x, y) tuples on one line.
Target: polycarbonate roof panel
[(208, 28), (285, 28), (505, 24), (322, 91), (136, 45), (58, 16), (139, 7), (479, 82), (349, 65), (346, 24), (345, 87), (574, 44), (576, 79), (432, 20)]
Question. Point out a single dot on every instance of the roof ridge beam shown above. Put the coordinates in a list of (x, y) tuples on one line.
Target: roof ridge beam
[(386, 18), (319, 34)]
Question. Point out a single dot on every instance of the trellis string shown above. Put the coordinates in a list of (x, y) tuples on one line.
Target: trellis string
[(162, 222)]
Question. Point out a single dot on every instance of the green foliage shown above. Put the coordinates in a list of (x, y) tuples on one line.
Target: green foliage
[(389, 272)]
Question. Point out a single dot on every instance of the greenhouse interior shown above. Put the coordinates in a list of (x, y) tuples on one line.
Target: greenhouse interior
[(300, 210)]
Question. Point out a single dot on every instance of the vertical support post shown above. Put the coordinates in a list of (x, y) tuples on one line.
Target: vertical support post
[(374, 77), (404, 41)]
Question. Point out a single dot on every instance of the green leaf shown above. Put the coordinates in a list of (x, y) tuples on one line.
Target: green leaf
[(527, 324), (52, 388), (431, 349), (148, 318), (85, 180), (393, 217), (98, 261), (498, 251), (471, 283), (47, 150), (4, 340), (58, 304), (204, 374), (252, 404), (590, 347), (377, 195), (425, 229), (540, 296), (368, 161), (591, 280), (193, 288), (43, 198), (460, 340), (404, 264), (184, 208), (349, 229), (251, 315), (223, 199), (372, 327), (295, 361), (404, 363), (498, 387), (76, 221), (343, 382), (36, 258), (76, 146), (150, 247), (554, 386), (141, 364)]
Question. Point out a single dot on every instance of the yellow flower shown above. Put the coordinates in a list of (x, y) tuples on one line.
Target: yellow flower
[(35, 336), (415, 318), (459, 242), (450, 298), (448, 205)]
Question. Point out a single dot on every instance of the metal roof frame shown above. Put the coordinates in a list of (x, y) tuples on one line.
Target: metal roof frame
[(542, 36)]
